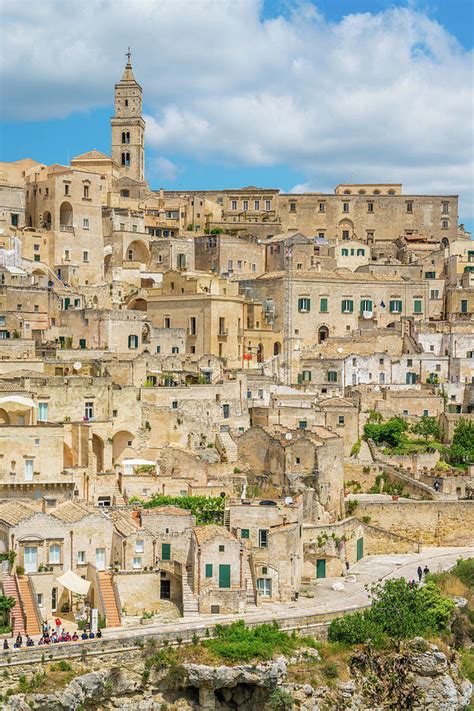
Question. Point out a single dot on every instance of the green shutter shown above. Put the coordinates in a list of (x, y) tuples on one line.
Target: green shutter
[(166, 551), (208, 570), (224, 576), (323, 306), (360, 548), (244, 533), (321, 568), (347, 306), (417, 306)]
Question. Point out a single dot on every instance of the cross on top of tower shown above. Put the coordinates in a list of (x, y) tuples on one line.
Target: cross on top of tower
[(128, 55)]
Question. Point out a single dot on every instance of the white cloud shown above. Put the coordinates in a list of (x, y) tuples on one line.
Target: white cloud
[(382, 96), (163, 168)]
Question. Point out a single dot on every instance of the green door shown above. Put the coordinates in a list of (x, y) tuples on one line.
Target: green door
[(360, 548), (224, 576), (166, 551), (321, 568)]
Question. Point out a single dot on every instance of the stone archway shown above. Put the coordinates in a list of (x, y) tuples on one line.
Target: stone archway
[(98, 447), (137, 251), (323, 334), (276, 348), (66, 216), (120, 442)]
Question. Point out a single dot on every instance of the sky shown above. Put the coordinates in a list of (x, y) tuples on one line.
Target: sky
[(293, 94)]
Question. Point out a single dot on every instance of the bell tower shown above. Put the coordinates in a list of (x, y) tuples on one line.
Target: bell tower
[(128, 126)]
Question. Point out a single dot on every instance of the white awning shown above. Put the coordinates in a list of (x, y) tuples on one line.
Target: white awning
[(17, 400), (136, 462), (74, 583), (107, 250)]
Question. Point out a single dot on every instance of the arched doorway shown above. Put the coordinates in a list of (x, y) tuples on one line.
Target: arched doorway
[(260, 353), (66, 217), (323, 334), (276, 348), (346, 229), (98, 452), (137, 251), (137, 305), (145, 333), (120, 442)]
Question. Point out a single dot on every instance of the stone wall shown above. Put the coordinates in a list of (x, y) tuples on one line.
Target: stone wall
[(440, 523)]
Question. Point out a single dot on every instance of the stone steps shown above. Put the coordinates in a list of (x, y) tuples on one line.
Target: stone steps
[(28, 605), (10, 590)]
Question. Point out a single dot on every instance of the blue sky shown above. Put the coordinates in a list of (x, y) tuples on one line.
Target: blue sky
[(276, 93)]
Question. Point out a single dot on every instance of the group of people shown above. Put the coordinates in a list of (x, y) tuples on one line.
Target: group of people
[(422, 572), (53, 635)]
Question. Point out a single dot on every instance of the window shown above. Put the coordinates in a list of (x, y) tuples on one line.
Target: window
[(444, 225), (14, 219), (341, 421), (332, 376), (410, 378), (306, 376), (304, 304), (302, 424), (67, 255), (370, 207), (36, 247), (244, 533), (366, 305), (292, 206), (125, 193), (85, 223), (445, 208), (409, 206), (39, 599), (86, 191), (54, 554), (409, 362), (245, 205), (434, 294), (42, 412), (345, 207), (226, 411), (256, 205), (263, 537), (395, 306), (381, 378), (126, 159), (208, 570), (167, 322), (361, 252), (81, 557), (297, 460), (174, 349), (344, 252), (174, 404), (166, 551), (85, 256), (464, 306), (66, 189), (347, 306), (54, 599), (137, 562), (264, 587), (233, 205), (82, 343), (158, 349), (268, 205), (139, 546), (37, 258), (122, 226), (323, 305), (417, 306), (89, 410), (322, 207), (133, 342), (345, 234)]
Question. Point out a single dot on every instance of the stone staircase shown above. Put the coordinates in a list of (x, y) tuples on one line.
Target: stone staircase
[(118, 497), (10, 589), (112, 613), (226, 447), (29, 605), (250, 599), (190, 601)]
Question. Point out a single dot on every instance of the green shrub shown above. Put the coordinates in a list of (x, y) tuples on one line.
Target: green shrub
[(207, 509), (351, 506), (390, 431), (464, 570), (356, 448), (280, 700)]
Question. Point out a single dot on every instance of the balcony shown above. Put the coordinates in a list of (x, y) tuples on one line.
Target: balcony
[(223, 333), (66, 228)]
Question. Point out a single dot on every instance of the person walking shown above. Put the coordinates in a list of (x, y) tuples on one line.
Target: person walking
[(426, 571), (420, 573)]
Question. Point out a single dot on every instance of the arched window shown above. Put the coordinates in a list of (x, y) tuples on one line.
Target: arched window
[(125, 158), (360, 252), (125, 136), (66, 217)]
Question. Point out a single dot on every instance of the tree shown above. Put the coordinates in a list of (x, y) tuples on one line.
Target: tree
[(391, 432), (6, 604), (428, 427), (462, 448)]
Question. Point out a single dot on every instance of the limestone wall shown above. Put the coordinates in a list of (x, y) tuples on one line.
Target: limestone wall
[(442, 523)]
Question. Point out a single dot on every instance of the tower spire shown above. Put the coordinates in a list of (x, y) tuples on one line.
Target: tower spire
[(129, 57)]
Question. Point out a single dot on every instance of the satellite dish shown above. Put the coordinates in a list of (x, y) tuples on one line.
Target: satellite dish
[(340, 350), (288, 436), (77, 365), (288, 501)]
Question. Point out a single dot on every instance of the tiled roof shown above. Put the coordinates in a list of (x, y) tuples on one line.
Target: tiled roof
[(204, 534), (124, 525), (92, 155), (70, 512), (12, 512)]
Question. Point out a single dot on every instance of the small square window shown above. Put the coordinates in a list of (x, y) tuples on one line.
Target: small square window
[(221, 549), (244, 533)]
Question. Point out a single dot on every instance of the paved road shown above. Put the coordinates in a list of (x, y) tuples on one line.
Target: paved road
[(325, 599)]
